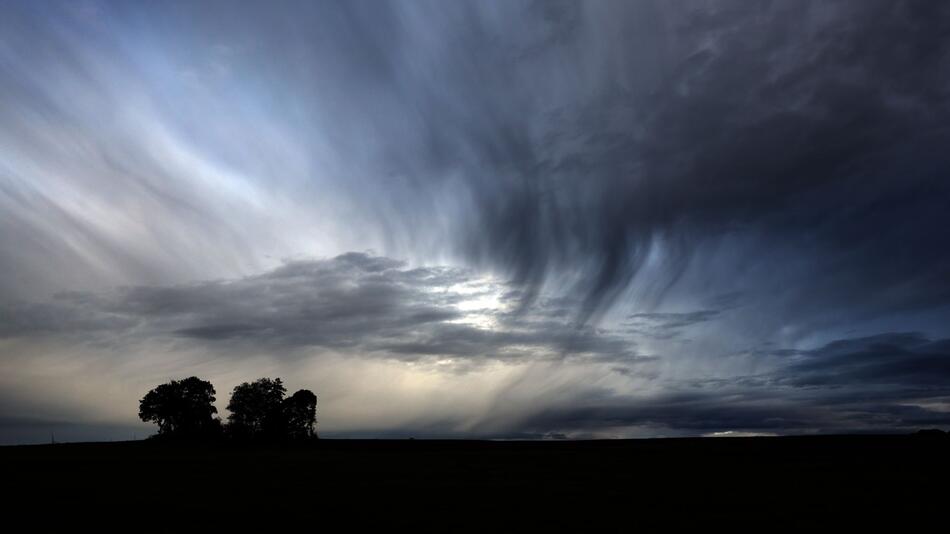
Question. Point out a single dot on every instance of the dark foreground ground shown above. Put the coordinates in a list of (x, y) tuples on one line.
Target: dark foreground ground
[(739, 483)]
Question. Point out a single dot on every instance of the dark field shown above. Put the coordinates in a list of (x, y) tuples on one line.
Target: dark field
[(745, 483)]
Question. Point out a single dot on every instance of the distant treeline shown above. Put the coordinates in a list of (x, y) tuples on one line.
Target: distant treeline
[(184, 410)]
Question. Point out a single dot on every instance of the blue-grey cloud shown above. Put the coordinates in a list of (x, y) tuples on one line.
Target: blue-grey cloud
[(889, 382), (904, 359), (355, 302)]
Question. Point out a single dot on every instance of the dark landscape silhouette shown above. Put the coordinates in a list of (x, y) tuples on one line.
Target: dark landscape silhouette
[(772, 483), (184, 411), (266, 466)]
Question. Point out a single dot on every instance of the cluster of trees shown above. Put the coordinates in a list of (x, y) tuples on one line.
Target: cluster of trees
[(184, 409)]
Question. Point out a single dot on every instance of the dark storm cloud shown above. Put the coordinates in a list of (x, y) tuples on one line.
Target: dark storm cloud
[(543, 140), (353, 302), (895, 381), (586, 136), (903, 359), (747, 412), (796, 141), (819, 126), (690, 412)]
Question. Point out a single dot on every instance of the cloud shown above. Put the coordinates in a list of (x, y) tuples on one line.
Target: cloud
[(786, 123), (888, 382), (359, 303), (895, 359), (540, 373), (665, 206), (584, 146), (667, 325)]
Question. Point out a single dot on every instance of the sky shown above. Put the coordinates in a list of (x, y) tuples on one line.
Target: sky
[(524, 220)]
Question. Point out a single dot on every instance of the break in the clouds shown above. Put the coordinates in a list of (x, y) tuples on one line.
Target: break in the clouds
[(587, 218)]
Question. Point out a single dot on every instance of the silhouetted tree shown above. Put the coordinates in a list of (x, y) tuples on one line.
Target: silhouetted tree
[(257, 410), (300, 414), (181, 409)]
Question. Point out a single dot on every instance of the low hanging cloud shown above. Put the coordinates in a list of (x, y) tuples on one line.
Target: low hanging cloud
[(356, 303), (890, 382), (899, 360), (574, 380)]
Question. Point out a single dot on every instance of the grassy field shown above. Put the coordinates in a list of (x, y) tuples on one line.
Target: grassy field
[(747, 483)]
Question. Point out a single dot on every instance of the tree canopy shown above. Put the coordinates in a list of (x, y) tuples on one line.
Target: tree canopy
[(258, 411), (181, 408), (300, 414)]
